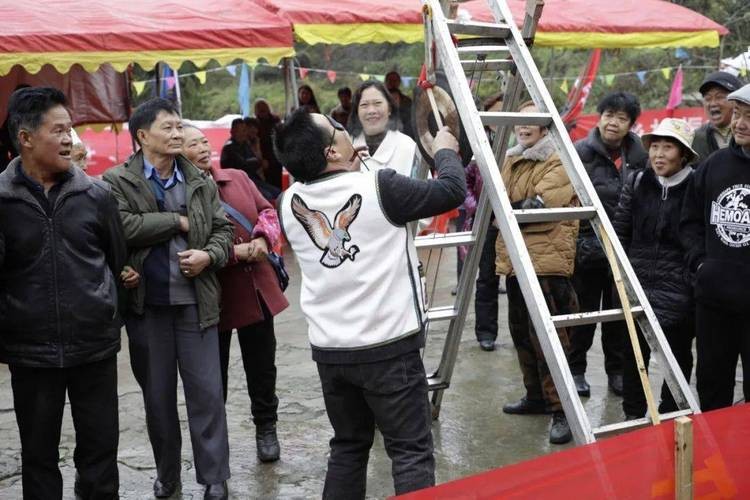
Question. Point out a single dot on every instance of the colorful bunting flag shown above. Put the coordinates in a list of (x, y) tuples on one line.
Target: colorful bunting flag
[(139, 86), (232, 69), (380, 78), (364, 77), (331, 76), (642, 77), (666, 73), (303, 72), (609, 80), (201, 76), (675, 94), (564, 86)]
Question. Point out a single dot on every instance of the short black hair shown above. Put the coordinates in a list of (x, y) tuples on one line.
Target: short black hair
[(251, 121), (300, 145), (355, 126), (145, 115), (27, 107), (237, 122), (621, 101), (344, 91)]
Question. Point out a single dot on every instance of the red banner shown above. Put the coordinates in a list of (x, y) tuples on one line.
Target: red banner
[(638, 464), (579, 94), (647, 122)]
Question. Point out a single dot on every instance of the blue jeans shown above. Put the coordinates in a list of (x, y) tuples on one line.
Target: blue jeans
[(392, 394)]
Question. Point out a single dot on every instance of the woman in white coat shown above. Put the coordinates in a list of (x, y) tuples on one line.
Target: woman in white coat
[(374, 123)]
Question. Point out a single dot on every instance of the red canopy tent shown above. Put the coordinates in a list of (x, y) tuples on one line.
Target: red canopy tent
[(564, 23), (95, 32)]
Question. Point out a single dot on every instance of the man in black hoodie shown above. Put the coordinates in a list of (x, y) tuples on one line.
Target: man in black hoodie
[(715, 233), (609, 153)]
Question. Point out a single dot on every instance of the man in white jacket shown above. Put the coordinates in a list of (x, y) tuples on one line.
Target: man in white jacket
[(362, 296)]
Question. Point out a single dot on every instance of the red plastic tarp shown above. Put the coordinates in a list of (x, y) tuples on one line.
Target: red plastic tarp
[(569, 23), (94, 32), (636, 465)]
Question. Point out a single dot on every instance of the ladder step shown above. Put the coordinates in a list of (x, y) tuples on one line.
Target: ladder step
[(488, 65), (554, 214), (435, 383), (589, 318), (489, 30), (481, 49), (639, 422), (442, 313), (442, 240), (504, 118)]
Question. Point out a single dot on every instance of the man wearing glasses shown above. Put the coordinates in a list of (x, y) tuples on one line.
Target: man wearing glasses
[(361, 294)]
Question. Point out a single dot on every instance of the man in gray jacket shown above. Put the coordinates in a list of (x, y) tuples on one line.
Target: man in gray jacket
[(178, 236)]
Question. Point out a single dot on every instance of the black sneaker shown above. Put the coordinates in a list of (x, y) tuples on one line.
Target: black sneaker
[(487, 345), (526, 407), (582, 387), (559, 431)]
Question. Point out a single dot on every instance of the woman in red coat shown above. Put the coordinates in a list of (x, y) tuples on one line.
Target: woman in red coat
[(250, 291)]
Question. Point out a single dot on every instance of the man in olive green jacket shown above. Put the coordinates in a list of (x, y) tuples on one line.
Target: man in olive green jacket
[(178, 236)]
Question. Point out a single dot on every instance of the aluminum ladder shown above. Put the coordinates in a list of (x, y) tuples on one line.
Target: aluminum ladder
[(502, 47)]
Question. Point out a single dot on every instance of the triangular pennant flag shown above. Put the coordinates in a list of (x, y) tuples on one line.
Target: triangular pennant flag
[(681, 53), (252, 65), (364, 76), (303, 72), (201, 76), (232, 69), (331, 76), (666, 73), (641, 77), (380, 78), (139, 86), (609, 80), (564, 86), (169, 82), (407, 81)]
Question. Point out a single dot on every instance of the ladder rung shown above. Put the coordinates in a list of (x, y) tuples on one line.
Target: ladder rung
[(442, 313), (639, 422), (435, 383), (442, 240), (489, 30), (481, 49), (554, 214), (488, 65), (588, 318), (511, 119)]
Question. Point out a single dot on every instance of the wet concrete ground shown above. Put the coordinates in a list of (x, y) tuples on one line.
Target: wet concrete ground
[(472, 434)]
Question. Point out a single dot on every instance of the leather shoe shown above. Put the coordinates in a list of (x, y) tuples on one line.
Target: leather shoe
[(615, 383), (559, 431), (526, 407), (216, 491), (487, 345), (582, 387), (165, 489), (267, 443)]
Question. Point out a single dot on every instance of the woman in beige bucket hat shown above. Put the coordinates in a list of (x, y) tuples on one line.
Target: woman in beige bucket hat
[(646, 222)]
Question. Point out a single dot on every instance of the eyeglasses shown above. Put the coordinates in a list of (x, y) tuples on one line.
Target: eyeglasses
[(336, 126)]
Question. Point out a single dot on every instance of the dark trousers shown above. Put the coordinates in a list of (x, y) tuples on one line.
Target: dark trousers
[(485, 300), (39, 400), (258, 346), (161, 340), (595, 287), (721, 337), (561, 299), (680, 339), (391, 394)]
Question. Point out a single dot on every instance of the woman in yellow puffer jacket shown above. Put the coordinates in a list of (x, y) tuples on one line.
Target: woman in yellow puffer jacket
[(535, 178)]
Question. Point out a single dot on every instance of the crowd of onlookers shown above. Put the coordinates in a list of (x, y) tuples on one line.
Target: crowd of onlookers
[(182, 252)]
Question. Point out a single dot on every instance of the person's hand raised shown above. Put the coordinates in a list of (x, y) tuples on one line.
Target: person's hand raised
[(444, 139)]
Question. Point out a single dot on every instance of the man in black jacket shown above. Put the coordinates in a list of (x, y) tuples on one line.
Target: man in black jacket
[(63, 250), (715, 134), (715, 233), (609, 153)]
